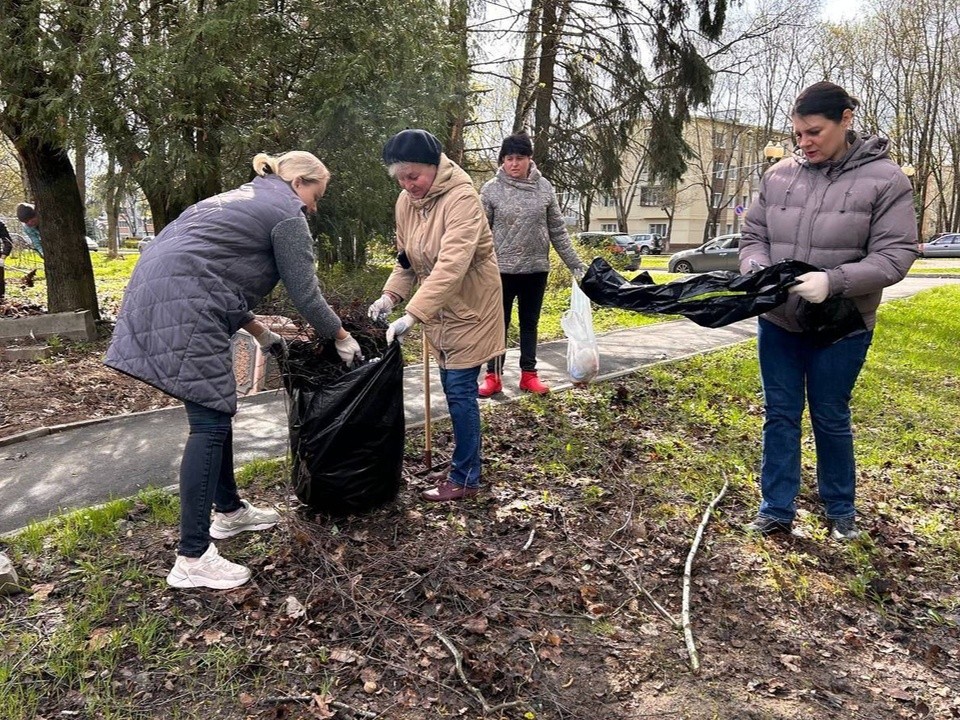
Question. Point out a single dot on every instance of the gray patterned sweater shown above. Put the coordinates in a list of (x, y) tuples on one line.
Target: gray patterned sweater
[(525, 218)]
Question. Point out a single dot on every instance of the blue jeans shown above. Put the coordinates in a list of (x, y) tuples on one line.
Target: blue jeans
[(460, 388), (791, 367), (206, 476)]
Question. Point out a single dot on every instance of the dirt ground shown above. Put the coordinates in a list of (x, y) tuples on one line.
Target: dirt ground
[(546, 588), (70, 386)]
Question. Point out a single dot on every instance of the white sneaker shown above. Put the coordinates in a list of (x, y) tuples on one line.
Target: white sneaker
[(248, 517), (209, 570)]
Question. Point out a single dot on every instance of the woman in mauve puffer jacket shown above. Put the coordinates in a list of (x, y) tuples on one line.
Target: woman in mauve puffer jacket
[(845, 207)]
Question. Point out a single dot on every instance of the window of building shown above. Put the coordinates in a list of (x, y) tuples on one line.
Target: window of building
[(651, 196), (609, 227), (719, 139), (658, 228), (607, 201), (729, 229), (717, 199), (718, 168)]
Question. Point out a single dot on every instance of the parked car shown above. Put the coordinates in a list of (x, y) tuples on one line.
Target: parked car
[(649, 243), (144, 242), (719, 253), (595, 239), (91, 244), (947, 245), (615, 242), (624, 244)]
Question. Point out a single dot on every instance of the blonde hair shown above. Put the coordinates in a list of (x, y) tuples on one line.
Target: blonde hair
[(292, 165)]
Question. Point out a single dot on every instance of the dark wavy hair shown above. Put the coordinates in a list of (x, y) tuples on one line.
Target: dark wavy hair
[(824, 98)]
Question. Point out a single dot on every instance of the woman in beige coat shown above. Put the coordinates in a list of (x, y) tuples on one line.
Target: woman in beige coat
[(445, 246)]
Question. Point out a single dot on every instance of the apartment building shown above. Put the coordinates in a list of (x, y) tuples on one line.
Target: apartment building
[(712, 198)]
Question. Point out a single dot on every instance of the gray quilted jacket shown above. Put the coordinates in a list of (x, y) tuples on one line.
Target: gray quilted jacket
[(853, 218), (525, 219), (196, 284)]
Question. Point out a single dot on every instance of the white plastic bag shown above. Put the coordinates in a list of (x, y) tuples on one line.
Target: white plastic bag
[(583, 355)]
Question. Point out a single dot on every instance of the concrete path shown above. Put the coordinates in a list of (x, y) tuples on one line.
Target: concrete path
[(68, 467)]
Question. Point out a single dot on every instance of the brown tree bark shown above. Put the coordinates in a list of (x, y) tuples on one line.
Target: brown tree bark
[(66, 260), (526, 91)]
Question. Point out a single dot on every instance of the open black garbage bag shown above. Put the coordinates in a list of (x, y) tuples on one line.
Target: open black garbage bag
[(719, 298), (346, 431)]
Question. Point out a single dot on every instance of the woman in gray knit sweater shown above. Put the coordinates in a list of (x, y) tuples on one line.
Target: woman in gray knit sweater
[(525, 217)]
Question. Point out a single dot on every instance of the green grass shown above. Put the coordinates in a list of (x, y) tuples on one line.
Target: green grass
[(655, 447)]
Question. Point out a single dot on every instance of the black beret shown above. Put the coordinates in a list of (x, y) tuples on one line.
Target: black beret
[(415, 146), (516, 144)]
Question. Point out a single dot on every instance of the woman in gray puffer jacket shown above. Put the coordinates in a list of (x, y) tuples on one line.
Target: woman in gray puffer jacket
[(846, 207), (194, 287), (525, 218)]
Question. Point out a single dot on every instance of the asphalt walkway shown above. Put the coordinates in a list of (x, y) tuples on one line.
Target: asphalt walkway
[(73, 466)]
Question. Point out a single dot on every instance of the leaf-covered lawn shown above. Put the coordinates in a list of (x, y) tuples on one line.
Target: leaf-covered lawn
[(536, 600)]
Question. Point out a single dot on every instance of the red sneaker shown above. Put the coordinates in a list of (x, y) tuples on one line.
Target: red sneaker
[(529, 382), (491, 385)]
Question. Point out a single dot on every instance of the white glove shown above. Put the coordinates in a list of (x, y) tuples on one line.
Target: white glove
[(379, 310), (399, 328), (813, 286), (272, 343), (578, 273), (349, 350)]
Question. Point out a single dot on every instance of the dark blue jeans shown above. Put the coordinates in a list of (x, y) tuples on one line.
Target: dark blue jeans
[(206, 476), (528, 290), (794, 372), (460, 388)]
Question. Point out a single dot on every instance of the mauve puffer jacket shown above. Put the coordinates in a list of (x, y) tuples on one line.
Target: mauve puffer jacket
[(854, 218)]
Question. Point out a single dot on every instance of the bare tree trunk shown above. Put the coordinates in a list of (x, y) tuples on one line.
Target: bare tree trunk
[(66, 260), (526, 91), (80, 163), (543, 115), (457, 115)]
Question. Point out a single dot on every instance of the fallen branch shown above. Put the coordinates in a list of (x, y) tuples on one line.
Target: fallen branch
[(687, 571), (530, 539), (646, 593), (458, 660)]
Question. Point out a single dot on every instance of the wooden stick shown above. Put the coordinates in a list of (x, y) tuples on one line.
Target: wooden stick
[(458, 661), (687, 571), (427, 449)]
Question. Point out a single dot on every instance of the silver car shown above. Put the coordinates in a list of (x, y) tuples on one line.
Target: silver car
[(944, 246), (720, 253)]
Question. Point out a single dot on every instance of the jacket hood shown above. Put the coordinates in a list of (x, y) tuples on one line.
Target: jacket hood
[(863, 149), (449, 176), (527, 183)]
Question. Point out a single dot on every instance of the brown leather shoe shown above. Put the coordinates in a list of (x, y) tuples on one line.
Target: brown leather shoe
[(448, 491)]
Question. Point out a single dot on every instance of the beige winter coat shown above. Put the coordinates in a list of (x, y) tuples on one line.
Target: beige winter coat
[(448, 244)]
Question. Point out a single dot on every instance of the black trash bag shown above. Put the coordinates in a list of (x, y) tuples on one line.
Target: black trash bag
[(712, 299), (346, 430), (832, 320)]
